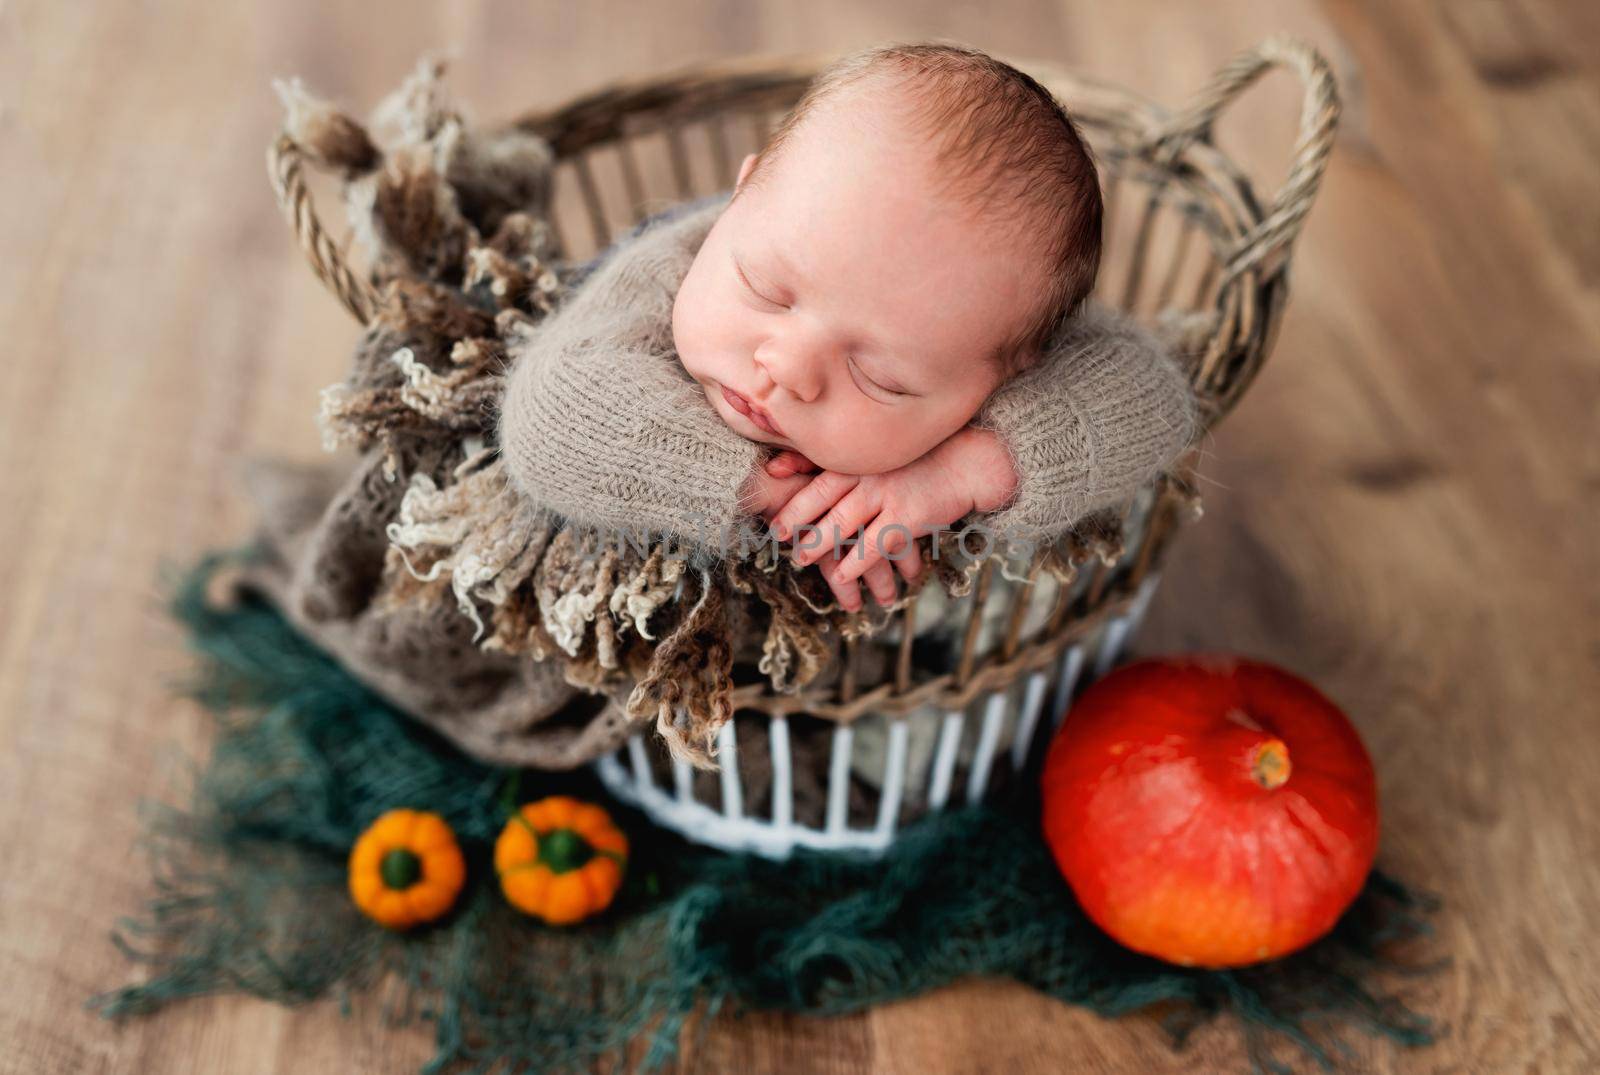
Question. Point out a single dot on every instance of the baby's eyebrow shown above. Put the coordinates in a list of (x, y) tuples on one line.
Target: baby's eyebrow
[(777, 255), (765, 259)]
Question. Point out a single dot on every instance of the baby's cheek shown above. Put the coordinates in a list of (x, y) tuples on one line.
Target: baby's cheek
[(873, 440), (692, 321), (706, 338), (909, 432), (695, 353)]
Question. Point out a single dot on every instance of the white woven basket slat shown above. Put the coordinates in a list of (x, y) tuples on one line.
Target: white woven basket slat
[(728, 757), (1032, 703), (944, 762), (994, 718), (1066, 681), (779, 834), (782, 778), (839, 780), (894, 782)]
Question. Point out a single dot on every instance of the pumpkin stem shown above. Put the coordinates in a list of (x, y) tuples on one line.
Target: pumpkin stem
[(563, 850), (1269, 763), (400, 869)]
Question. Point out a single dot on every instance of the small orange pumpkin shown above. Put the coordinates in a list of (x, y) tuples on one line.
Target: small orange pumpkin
[(560, 860), (406, 869)]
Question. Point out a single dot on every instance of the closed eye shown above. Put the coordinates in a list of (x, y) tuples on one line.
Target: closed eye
[(752, 288), (861, 375)]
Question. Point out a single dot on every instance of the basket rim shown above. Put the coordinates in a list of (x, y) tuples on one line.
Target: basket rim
[(779, 71)]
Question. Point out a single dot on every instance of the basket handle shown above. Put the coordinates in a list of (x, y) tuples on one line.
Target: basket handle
[(284, 164), (1319, 116)]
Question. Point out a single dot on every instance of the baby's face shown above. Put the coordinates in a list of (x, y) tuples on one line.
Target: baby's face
[(843, 308)]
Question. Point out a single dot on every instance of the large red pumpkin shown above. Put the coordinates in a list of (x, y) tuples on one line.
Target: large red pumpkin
[(1211, 811)]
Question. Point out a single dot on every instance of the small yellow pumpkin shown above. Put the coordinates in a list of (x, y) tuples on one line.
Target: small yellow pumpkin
[(560, 860), (406, 869)]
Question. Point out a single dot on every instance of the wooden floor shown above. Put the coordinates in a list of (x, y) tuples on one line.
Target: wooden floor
[(1404, 509)]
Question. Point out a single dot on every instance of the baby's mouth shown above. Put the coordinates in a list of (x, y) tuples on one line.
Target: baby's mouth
[(759, 417)]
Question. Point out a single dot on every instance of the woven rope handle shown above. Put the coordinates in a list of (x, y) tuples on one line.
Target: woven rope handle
[(1319, 117), (284, 164)]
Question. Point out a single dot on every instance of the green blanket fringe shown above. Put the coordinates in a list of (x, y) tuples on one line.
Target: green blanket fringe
[(250, 897)]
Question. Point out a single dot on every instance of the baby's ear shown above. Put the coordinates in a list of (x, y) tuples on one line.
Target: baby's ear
[(744, 168), (1028, 359), (1014, 363)]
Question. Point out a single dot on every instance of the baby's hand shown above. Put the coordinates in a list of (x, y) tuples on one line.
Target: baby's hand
[(785, 475), (970, 471)]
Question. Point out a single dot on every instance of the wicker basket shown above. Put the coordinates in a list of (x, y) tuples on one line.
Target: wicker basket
[(956, 696)]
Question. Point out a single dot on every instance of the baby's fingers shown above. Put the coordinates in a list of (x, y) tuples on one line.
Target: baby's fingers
[(846, 592), (768, 494), (883, 540), (789, 462), (822, 493), (900, 545), (880, 581), (848, 517), (909, 564)]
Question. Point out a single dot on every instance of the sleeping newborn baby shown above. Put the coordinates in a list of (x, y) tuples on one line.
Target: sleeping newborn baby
[(881, 331)]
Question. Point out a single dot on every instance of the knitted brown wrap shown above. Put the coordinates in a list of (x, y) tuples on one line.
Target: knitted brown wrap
[(437, 579)]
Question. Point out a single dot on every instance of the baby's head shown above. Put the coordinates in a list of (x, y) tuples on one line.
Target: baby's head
[(908, 239)]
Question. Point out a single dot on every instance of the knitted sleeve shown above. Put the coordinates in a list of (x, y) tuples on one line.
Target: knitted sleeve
[(600, 424), (1104, 411)]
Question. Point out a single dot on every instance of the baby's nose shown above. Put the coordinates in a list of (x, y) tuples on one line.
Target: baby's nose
[(796, 370)]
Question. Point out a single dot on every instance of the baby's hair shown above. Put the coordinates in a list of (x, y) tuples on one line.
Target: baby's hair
[(1003, 143)]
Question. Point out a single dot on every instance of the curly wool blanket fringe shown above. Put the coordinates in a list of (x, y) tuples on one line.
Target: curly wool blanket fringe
[(462, 254)]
